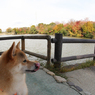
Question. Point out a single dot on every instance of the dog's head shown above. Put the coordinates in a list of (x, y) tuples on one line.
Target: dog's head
[(16, 60)]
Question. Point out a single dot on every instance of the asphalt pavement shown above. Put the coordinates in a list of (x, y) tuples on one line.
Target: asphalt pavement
[(40, 83)]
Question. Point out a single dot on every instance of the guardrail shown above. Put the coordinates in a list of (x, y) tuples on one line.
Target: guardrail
[(46, 37), (58, 40)]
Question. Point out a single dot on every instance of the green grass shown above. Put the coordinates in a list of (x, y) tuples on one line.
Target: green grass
[(77, 66), (64, 69)]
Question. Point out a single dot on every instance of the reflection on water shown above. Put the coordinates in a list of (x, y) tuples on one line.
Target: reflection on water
[(40, 46)]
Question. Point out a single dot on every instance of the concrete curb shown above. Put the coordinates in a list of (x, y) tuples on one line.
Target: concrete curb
[(59, 79)]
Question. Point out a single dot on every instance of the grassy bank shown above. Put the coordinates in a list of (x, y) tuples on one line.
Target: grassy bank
[(71, 67)]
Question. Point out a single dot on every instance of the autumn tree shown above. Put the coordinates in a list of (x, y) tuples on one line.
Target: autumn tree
[(57, 28), (88, 29), (76, 29), (45, 28), (9, 30), (50, 28), (41, 28)]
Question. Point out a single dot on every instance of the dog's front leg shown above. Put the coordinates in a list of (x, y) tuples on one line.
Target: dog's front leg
[(20, 94), (24, 90), (23, 93)]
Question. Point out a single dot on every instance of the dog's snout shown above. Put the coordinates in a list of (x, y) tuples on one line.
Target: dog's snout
[(37, 66), (34, 68)]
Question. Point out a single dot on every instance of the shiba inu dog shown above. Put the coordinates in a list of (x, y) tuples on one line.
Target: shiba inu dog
[(13, 66)]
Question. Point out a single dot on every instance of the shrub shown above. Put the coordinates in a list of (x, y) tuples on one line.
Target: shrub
[(88, 35), (64, 32)]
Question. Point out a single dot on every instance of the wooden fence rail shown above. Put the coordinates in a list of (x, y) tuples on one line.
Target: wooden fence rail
[(46, 37), (58, 40)]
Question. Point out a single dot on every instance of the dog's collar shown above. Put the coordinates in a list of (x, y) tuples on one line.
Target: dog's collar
[(3, 91)]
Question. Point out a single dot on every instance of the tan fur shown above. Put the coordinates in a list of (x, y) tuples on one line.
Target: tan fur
[(3, 93), (12, 71)]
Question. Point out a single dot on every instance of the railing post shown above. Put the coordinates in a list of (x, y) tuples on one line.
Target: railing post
[(94, 53), (48, 50), (23, 43), (58, 50)]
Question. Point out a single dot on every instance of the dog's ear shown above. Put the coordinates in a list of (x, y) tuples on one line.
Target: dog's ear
[(11, 51), (18, 45)]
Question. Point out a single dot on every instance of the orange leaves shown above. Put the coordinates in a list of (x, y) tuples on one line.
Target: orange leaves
[(58, 27)]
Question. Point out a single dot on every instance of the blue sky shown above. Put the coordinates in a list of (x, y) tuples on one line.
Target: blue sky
[(24, 13)]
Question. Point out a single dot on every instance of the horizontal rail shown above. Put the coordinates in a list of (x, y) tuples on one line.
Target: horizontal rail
[(10, 38), (78, 41), (23, 37), (53, 40), (37, 37), (26, 37), (35, 54), (74, 57)]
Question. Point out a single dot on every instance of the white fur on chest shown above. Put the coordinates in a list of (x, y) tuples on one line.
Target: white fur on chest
[(18, 83)]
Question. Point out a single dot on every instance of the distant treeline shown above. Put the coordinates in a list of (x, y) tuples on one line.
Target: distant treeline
[(80, 28)]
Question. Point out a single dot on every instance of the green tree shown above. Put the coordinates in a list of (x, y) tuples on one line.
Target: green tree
[(33, 30), (64, 32)]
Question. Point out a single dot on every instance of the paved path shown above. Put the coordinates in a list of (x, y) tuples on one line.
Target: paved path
[(84, 78), (40, 83)]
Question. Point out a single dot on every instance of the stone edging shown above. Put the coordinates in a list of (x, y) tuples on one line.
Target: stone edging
[(63, 80)]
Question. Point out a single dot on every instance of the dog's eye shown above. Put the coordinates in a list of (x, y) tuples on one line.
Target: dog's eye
[(24, 60), (14, 55)]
